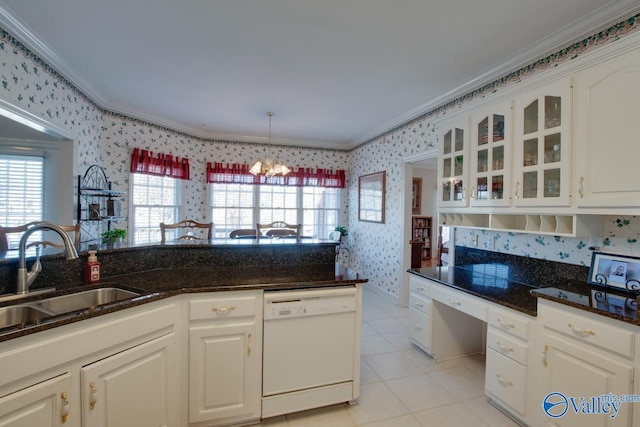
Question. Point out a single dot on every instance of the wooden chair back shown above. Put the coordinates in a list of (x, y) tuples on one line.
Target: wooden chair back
[(4, 241), (187, 224), (278, 229), (243, 233)]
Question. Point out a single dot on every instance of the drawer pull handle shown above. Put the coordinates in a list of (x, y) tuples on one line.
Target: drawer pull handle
[(452, 302), (420, 288), (418, 305), (93, 399), (249, 344), (65, 407), (584, 332), (223, 309), (581, 187), (417, 327), (504, 381), (544, 355), (503, 348), (506, 325)]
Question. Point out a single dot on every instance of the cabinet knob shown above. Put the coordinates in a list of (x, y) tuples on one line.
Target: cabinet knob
[(516, 195), (581, 187), (544, 355), (66, 407), (249, 344), (93, 398), (473, 193)]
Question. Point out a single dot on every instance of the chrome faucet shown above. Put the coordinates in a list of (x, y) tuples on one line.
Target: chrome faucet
[(25, 277)]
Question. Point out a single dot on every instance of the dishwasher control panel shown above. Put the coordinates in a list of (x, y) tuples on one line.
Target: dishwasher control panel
[(278, 305)]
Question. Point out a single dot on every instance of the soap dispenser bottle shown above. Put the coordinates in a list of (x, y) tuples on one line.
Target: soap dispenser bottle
[(92, 268)]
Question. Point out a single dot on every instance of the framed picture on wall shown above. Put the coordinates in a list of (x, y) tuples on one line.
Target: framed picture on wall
[(416, 196), (371, 195)]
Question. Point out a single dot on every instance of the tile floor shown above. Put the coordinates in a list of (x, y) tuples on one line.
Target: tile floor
[(401, 387)]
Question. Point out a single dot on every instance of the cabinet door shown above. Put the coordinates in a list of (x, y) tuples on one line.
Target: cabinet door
[(491, 157), (607, 103), (137, 387), (44, 404), (453, 186), (542, 137), (225, 369), (577, 372)]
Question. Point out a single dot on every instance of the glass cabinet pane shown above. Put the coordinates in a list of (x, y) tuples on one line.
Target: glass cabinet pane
[(483, 131), (530, 157), (552, 183), (483, 160), (446, 144), (458, 190), (446, 191), (446, 167), (552, 109), (530, 185), (498, 127), (552, 148), (481, 189), (498, 158), (459, 163), (459, 143), (531, 118), (497, 187)]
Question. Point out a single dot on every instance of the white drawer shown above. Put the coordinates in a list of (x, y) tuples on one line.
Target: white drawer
[(508, 346), (420, 329), (506, 381), (420, 303), (509, 322), (224, 306), (473, 306), (587, 327), (419, 286)]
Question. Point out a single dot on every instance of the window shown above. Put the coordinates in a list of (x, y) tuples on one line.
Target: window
[(235, 206), (155, 199), (21, 192)]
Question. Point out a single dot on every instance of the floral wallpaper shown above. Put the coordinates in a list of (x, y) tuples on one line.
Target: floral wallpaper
[(106, 138)]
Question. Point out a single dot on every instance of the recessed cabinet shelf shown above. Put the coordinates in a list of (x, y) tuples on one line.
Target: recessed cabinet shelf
[(556, 225)]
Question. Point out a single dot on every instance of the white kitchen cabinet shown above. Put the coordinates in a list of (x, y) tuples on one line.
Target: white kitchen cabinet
[(491, 156), (132, 388), (542, 142), (225, 357), (583, 355), (453, 184), (607, 101), (420, 305), (46, 404)]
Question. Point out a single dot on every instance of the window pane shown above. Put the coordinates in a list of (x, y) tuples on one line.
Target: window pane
[(231, 207), (320, 211), (155, 199)]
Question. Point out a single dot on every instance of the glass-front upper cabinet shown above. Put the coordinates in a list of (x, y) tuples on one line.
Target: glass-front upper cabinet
[(453, 169), (542, 137), (491, 142)]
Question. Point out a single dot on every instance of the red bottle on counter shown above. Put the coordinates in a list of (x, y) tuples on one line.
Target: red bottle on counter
[(92, 268)]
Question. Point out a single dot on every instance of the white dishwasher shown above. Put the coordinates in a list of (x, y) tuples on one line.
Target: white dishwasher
[(309, 349)]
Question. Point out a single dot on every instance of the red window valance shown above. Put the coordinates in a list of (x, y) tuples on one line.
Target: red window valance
[(143, 161), (239, 174)]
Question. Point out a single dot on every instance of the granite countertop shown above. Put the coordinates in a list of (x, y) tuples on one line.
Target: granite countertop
[(161, 283), (523, 297)]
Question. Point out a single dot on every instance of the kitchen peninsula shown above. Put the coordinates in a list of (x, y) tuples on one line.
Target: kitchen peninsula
[(195, 329)]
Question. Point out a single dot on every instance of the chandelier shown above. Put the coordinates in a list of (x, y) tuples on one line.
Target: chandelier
[(269, 167)]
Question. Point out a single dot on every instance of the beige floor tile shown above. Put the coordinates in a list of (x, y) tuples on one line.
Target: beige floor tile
[(424, 362), (334, 416), (375, 344), (376, 403), (403, 421), (392, 365), (455, 415), (419, 392), (400, 340), (461, 382), (488, 413), (367, 375), (387, 326), (371, 312), (366, 330)]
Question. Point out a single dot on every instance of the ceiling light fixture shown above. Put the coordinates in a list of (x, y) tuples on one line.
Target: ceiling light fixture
[(269, 167)]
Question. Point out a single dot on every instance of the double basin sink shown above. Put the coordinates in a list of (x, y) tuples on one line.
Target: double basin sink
[(38, 311)]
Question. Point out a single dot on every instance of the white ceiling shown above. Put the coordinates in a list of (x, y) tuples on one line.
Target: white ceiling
[(335, 72)]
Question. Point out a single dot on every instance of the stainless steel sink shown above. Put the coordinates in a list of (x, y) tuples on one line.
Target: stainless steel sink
[(18, 314), (86, 299)]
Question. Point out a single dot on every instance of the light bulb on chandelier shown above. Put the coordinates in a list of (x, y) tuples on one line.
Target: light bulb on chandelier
[(269, 167)]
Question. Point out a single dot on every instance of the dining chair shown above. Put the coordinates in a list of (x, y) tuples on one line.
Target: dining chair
[(4, 240), (188, 224), (243, 233), (278, 229)]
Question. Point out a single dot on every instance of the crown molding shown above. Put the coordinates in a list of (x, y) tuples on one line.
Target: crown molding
[(591, 24)]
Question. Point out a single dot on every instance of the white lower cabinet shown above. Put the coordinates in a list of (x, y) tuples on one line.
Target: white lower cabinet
[(225, 358), (583, 360), (45, 404), (131, 388)]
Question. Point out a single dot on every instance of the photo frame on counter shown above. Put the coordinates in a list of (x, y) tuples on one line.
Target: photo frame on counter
[(615, 271), (371, 197), (617, 304)]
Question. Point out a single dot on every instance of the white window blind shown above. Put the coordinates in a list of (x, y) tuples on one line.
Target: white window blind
[(232, 208), (278, 203), (320, 208), (21, 192), (154, 200)]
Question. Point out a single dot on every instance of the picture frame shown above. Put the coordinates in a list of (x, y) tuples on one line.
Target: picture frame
[(613, 303), (371, 197), (615, 271), (416, 196)]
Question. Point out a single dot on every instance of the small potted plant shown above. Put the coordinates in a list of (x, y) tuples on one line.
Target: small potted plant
[(114, 236), (343, 231)]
